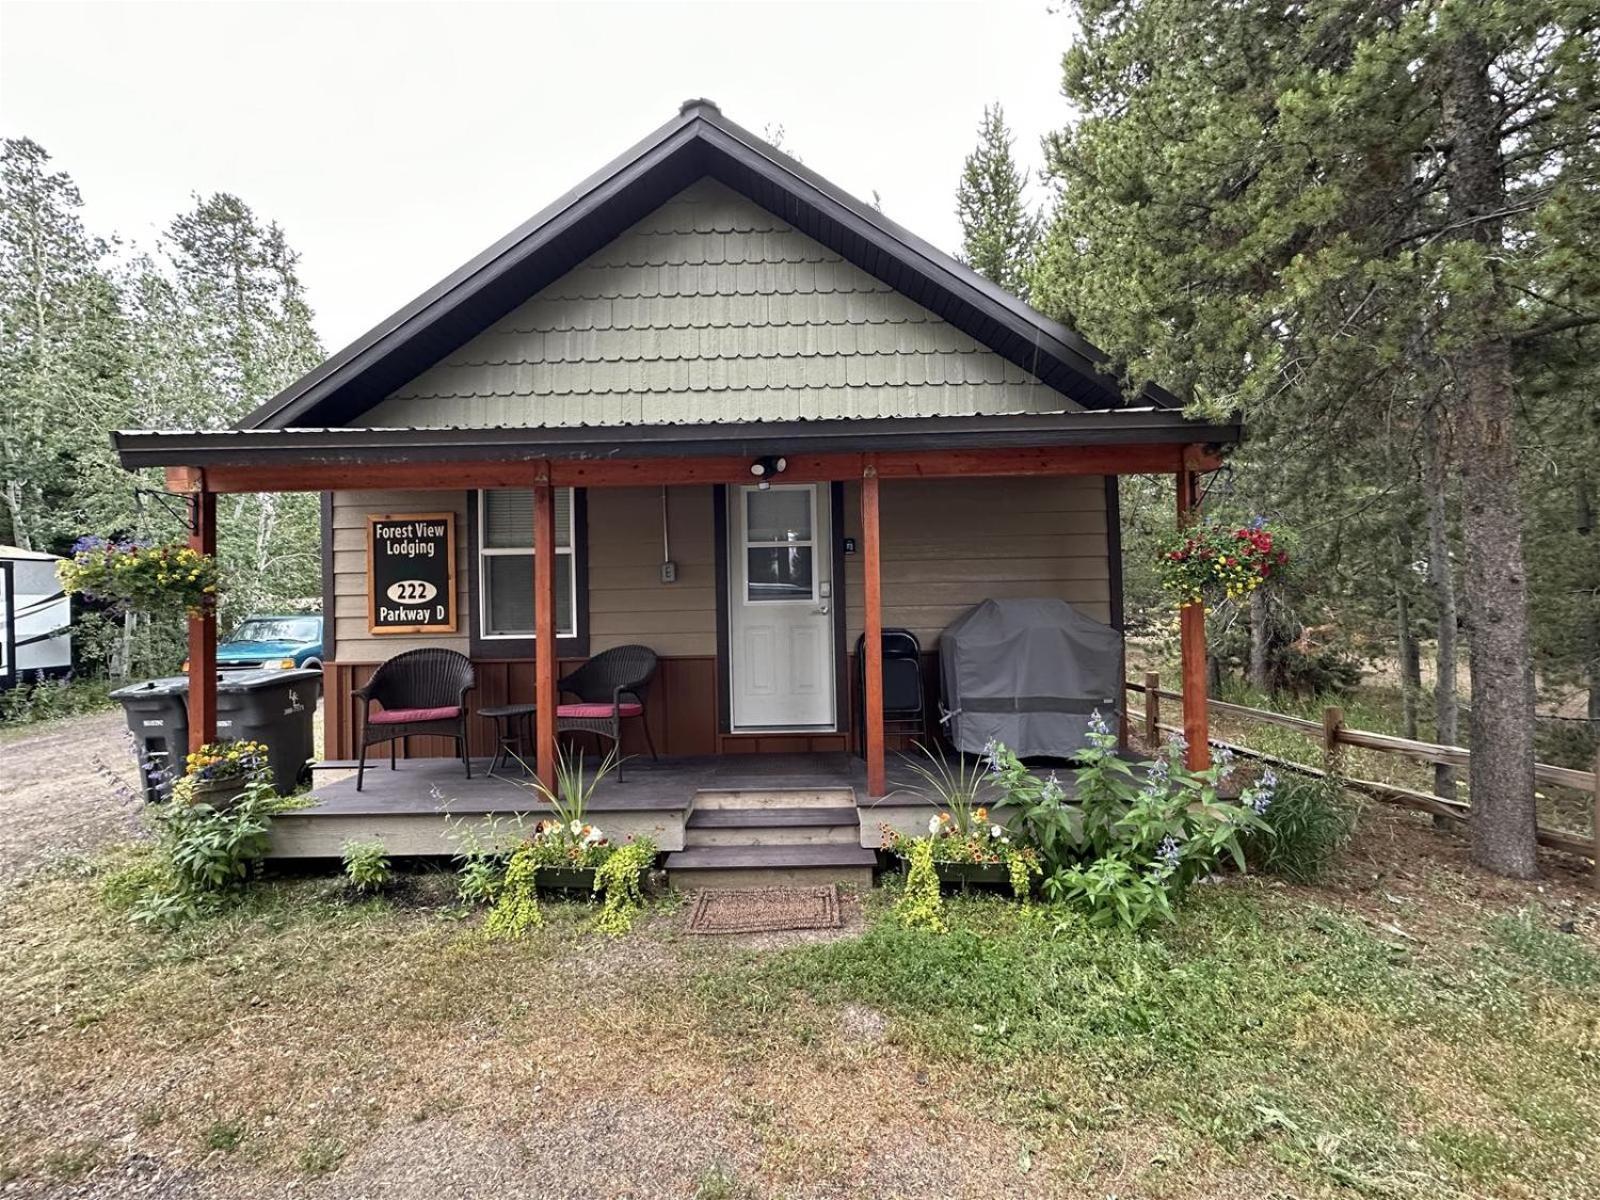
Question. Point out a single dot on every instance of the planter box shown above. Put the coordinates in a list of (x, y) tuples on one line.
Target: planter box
[(967, 873), (566, 878), (220, 794)]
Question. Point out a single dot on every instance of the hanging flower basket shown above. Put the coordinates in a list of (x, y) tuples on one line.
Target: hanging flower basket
[(150, 579), (1208, 562)]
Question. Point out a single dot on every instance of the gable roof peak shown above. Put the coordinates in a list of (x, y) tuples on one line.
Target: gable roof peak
[(697, 143)]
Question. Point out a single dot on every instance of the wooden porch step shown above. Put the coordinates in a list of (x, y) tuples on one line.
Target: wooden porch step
[(752, 865), (835, 824), (763, 818), (756, 796)]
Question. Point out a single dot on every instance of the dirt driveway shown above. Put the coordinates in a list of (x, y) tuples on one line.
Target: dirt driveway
[(66, 788)]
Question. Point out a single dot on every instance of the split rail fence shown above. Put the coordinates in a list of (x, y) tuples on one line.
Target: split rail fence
[(1334, 735)]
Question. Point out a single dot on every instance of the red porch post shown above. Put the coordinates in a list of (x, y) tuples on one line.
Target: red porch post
[(1192, 643), (872, 597), (544, 625), (203, 628)]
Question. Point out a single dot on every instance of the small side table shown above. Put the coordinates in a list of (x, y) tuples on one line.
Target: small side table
[(513, 732)]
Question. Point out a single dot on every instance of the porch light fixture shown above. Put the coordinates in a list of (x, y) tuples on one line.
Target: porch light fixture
[(765, 468)]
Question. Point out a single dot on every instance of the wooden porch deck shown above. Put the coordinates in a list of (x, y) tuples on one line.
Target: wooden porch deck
[(425, 805)]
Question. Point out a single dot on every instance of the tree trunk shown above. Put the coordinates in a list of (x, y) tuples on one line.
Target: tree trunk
[(1406, 643), (1503, 817), (1260, 637), (1442, 583)]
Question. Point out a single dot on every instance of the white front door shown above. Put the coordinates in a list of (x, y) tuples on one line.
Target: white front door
[(780, 623)]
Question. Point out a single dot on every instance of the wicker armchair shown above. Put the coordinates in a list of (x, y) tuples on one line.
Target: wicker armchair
[(610, 687), (417, 692)]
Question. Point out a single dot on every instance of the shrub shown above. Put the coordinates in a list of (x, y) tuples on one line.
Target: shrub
[(48, 699), (1124, 847), (367, 867), (1302, 829), (206, 853)]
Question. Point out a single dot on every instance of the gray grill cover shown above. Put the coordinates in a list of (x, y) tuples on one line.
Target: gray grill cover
[(1028, 673)]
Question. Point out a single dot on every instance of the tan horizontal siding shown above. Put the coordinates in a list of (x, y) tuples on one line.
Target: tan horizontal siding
[(627, 600), (947, 544)]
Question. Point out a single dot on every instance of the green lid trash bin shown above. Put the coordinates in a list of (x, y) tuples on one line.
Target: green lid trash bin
[(271, 707), (158, 718), (274, 708)]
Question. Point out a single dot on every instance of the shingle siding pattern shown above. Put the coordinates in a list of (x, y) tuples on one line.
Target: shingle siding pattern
[(713, 310)]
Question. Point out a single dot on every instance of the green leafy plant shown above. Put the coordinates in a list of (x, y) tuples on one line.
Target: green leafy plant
[(920, 906), (1127, 847), (516, 908), (951, 787), (1302, 829), (367, 866), (206, 853), (619, 881)]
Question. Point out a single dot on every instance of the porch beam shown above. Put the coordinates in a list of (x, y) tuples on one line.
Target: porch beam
[(1013, 462), (203, 628), (544, 625), (1192, 642), (872, 628)]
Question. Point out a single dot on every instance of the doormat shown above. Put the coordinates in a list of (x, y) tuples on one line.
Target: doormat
[(765, 910)]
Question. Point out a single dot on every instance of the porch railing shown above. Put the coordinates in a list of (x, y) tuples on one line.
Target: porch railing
[(1334, 735)]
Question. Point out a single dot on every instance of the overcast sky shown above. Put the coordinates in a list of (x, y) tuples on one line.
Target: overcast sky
[(393, 141)]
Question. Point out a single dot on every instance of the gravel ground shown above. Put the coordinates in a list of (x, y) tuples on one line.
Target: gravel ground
[(66, 788)]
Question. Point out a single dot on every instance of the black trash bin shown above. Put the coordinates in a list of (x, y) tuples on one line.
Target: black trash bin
[(158, 717), (275, 708)]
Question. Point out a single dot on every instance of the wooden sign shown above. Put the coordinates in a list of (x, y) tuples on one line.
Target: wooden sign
[(411, 573)]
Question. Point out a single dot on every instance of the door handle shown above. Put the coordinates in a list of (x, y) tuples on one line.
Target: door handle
[(821, 609)]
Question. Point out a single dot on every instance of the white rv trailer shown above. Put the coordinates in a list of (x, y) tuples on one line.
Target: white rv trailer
[(34, 618)]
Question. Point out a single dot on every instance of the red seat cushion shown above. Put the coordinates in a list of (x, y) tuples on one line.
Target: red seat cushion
[(402, 716), (628, 709)]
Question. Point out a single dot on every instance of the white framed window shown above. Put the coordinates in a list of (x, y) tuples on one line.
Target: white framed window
[(505, 565)]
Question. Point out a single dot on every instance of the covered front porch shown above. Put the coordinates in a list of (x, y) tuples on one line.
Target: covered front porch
[(282, 465), (714, 816)]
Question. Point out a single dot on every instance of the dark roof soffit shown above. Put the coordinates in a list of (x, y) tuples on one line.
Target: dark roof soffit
[(257, 447), (697, 143)]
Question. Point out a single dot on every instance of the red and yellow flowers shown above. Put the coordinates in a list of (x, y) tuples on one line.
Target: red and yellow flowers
[(1212, 561)]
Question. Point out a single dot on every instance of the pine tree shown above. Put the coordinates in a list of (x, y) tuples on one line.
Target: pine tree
[(1338, 218), (999, 236)]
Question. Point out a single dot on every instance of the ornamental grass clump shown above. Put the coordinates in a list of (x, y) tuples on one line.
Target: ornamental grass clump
[(152, 578), (1211, 561)]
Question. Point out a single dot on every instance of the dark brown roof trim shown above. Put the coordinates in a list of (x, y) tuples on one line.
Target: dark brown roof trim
[(697, 143), (259, 447)]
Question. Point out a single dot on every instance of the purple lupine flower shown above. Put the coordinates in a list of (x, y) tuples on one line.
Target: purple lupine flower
[(1097, 723), (992, 751), (1225, 763), (1177, 744), (1258, 523)]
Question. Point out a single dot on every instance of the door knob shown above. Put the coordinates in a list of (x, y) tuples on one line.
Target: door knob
[(821, 608)]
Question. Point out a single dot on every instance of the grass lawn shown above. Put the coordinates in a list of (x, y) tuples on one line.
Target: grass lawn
[(1410, 1028)]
